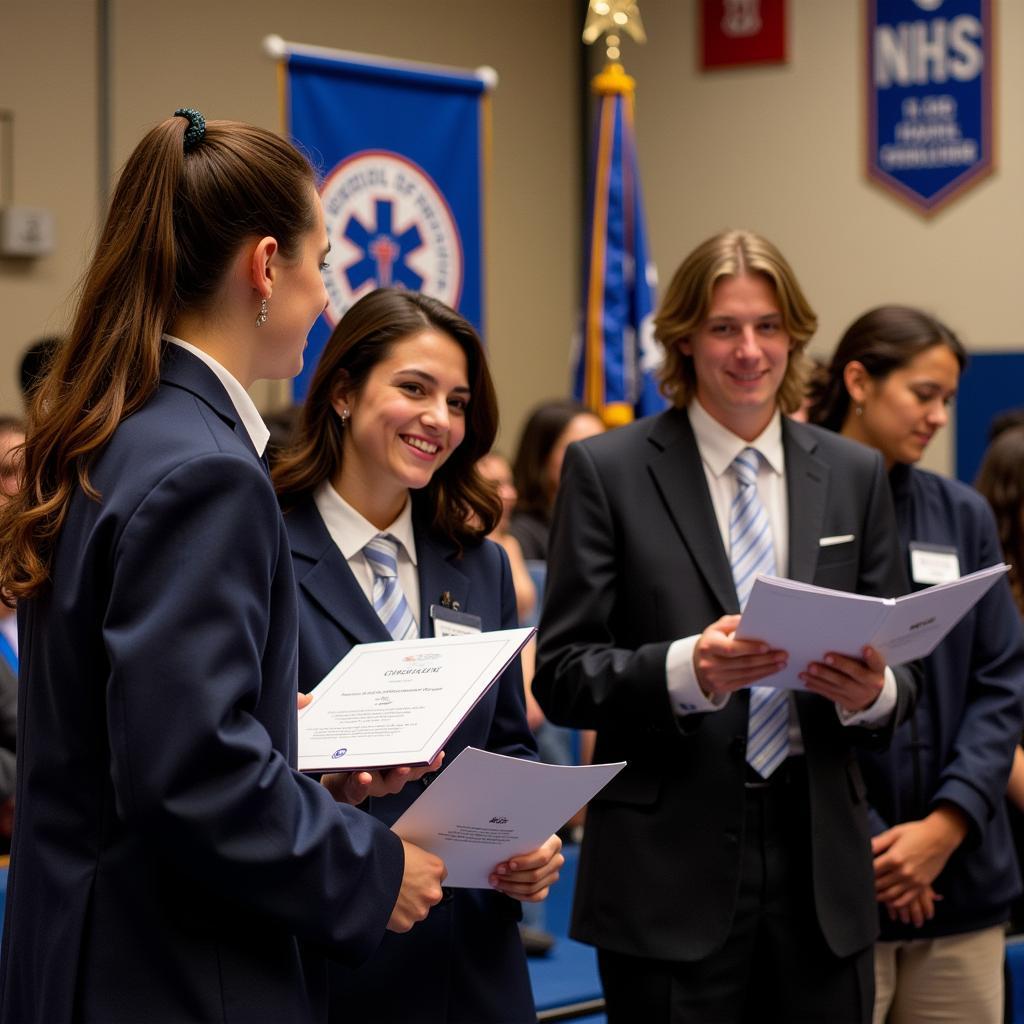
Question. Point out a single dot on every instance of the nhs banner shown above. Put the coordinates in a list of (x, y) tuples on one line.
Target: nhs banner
[(400, 150), (929, 97)]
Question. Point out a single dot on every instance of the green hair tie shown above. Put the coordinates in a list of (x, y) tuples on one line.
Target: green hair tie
[(196, 127)]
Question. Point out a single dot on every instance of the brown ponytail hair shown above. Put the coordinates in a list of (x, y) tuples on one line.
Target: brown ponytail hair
[(883, 339), (458, 503), (176, 221)]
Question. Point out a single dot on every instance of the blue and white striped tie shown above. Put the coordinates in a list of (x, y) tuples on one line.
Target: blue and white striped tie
[(750, 553), (388, 598)]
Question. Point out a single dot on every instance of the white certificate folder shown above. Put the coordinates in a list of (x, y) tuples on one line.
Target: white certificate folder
[(808, 621), (485, 808), (398, 702)]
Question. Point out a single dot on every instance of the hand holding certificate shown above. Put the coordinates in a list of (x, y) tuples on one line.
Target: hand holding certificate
[(808, 621), (398, 702)]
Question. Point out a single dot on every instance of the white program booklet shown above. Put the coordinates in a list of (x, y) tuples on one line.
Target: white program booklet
[(485, 808), (397, 702), (808, 621)]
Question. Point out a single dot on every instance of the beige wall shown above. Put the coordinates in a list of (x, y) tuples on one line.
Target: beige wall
[(48, 80), (780, 150), (208, 55), (777, 149)]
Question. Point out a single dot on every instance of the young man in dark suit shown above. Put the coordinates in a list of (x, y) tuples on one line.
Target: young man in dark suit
[(726, 873)]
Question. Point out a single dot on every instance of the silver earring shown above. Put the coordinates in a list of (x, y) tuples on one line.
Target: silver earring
[(859, 410), (261, 317), (344, 416)]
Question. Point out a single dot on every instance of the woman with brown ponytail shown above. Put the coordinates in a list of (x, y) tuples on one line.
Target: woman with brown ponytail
[(169, 864)]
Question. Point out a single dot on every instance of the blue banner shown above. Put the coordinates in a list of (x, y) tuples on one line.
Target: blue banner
[(929, 100), (617, 358), (400, 149)]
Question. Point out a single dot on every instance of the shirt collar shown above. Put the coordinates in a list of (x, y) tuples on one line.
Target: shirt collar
[(351, 531), (257, 430), (719, 446)]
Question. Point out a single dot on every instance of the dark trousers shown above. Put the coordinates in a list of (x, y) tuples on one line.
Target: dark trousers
[(775, 965)]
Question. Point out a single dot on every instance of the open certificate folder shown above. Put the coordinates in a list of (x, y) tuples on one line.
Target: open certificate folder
[(808, 621), (485, 808), (397, 702)]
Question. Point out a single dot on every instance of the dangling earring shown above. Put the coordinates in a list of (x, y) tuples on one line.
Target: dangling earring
[(261, 317), (344, 417), (859, 410)]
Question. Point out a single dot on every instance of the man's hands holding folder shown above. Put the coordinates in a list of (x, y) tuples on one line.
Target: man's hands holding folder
[(724, 664)]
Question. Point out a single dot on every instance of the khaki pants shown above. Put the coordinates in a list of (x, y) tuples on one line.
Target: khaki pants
[(957, 978)]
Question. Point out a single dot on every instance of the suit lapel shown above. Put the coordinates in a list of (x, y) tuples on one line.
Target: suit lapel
[(438, 574), (806, 491), (328, 579), (679, 475)]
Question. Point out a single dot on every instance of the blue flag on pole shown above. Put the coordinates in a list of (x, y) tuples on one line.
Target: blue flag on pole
[(617, 359), (401, 149)]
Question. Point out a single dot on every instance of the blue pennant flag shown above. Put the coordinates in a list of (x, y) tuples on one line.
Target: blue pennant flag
[(401, 150), (617, 359)]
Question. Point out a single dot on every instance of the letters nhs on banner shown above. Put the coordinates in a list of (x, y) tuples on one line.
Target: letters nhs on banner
[(929, 97)]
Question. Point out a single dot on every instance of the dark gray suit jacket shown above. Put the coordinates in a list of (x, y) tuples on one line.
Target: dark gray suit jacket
[(637, 561)]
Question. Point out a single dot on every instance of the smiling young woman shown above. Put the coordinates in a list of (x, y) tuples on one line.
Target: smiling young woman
[(399, 412), (945, 869)]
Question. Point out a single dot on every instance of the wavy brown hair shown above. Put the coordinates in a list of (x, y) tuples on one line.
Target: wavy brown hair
[(175, 222), (458, 502), (1001, 481), (688, 299)]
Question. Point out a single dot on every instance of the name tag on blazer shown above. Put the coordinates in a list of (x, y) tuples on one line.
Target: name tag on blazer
[(449, 622), (933, 563), (831, 542)]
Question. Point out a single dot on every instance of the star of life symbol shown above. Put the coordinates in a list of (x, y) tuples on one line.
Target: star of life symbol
[(389, 226)]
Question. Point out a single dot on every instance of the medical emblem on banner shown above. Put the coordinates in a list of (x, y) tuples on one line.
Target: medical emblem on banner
[(389, 226)]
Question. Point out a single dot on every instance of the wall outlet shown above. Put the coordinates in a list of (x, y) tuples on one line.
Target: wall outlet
[(26, 231)]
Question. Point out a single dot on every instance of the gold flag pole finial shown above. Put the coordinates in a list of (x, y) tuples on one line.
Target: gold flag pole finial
[(609, 18)]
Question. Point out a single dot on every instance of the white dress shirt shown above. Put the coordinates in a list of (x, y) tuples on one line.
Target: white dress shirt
[(244, 406), (351, 532), (718, 447)]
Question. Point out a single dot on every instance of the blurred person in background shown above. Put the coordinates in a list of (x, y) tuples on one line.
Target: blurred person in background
[(550, 428)]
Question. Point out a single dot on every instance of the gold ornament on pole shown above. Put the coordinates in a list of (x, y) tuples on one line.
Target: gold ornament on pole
[(610, 18)]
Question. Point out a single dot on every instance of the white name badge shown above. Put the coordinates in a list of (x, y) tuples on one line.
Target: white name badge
[(933, 563), (451, 622)]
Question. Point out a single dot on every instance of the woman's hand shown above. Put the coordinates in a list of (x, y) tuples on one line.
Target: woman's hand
[(920, 909), (354, 787), (528, 877), (909, 856)]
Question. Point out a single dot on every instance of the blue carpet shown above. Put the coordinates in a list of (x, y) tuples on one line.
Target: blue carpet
[(1015, 962), (568, 974)]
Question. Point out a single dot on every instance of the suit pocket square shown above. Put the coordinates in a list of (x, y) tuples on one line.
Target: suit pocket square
[(842, 538)]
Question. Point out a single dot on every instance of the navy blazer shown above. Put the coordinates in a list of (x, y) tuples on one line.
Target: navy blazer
[(168, 859), (465, 962), (637, 561), (958, 745)]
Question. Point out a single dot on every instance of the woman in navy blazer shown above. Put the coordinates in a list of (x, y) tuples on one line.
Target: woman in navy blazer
[(169, 863), (398, 412), (945, 870)]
